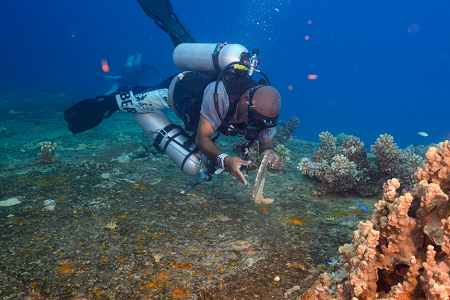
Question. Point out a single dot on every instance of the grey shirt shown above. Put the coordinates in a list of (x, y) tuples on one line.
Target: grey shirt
[(209, 111)]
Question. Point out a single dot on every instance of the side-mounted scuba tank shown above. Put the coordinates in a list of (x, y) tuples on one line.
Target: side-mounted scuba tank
[(133, 63), (173, 141)]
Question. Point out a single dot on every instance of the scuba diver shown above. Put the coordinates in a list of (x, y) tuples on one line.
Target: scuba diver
[(133, 73), (215, 92)]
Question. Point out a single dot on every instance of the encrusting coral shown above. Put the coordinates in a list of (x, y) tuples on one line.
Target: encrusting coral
[(48, 150), (346, 168), (403, 250)]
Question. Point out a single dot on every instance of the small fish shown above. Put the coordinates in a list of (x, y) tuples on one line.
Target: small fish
[(339, 228), (348, 221), (310, 176), (310, 188), (406, 189), (329, 261), (312, 169), (337, 168), (364, 208), (359, 201), (422, 133)]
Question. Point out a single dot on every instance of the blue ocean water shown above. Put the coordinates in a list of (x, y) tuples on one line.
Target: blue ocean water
[(381, 66)]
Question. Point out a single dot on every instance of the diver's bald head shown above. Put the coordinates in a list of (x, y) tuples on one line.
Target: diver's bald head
[(266, 100)]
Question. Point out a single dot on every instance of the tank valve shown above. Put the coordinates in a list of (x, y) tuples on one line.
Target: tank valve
[(254, 62)]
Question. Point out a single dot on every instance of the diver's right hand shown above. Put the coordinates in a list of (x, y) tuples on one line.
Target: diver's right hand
[(233, 165)]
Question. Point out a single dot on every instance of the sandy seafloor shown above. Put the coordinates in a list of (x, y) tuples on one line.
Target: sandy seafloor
[(194, 239)]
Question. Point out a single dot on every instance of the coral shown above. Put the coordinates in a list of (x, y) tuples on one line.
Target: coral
[(3, 130), (359, 176), (435, 279), (394, 251), (437, 166), (111, 226), (47, 154), (393, 162), (285, 156), (339, 176), (361, 263), (340, 138), (327, 148), (285, 131), (387, 155)]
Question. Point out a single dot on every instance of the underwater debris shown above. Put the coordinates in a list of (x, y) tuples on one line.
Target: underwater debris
[(10, 202), (259, 183), (49, 205), (242, 246), (220, 218), (67, 269)]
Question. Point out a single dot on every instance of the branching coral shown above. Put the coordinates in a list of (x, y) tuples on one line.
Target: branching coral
[(285, 156), (285, 130), (48, 150), (361, 176)]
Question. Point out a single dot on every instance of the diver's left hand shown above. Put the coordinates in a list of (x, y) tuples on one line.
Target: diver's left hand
[(274, 159)]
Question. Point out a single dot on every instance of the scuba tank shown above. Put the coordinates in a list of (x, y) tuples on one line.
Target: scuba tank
[(172, 140), (208, 57), (129, 64), (137, 62)]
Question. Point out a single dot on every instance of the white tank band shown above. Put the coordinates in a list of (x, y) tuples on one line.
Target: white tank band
[(143, 103)]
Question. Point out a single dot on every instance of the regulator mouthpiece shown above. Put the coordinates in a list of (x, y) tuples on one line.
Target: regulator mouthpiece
[(254, 62)]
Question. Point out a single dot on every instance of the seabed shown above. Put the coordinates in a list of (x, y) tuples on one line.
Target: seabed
[(122, 230)]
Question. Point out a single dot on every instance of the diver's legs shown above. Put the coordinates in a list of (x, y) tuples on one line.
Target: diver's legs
[(161, 11)]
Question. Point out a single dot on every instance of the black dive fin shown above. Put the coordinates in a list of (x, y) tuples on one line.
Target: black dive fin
[(88, 113), (162, 12)]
